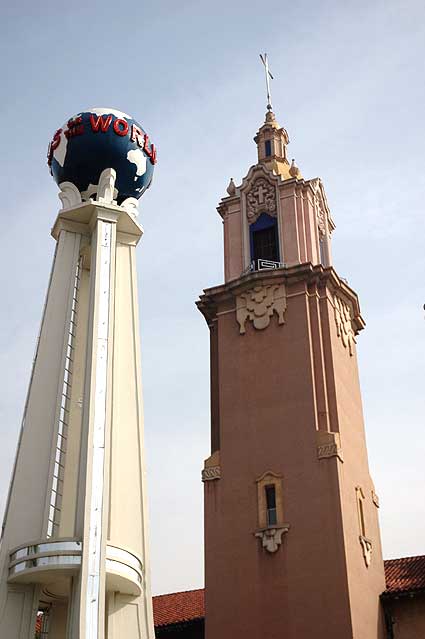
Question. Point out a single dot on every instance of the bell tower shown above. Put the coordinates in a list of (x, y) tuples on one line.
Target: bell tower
[(292, 543)]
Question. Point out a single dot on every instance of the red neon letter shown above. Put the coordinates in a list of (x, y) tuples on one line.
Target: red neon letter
[(153, 152), (150, 151), (100, 123), (117, 127), (53, 145), (136, 135)]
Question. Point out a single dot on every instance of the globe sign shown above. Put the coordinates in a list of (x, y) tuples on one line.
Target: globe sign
[(99, 139)]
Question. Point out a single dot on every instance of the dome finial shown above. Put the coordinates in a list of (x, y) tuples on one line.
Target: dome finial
[(293, 169), (231, 189)]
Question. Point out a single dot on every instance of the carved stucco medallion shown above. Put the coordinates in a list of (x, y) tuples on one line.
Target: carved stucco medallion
[(261, 198), (344, 324), (259, 304)]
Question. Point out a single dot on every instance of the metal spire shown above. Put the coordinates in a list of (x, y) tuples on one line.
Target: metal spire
[(265, 61)]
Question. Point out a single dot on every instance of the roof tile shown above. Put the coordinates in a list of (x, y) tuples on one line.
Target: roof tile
[(405, 575), (178, 607)]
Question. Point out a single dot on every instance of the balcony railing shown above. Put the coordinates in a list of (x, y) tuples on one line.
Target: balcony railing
[(262, 265)]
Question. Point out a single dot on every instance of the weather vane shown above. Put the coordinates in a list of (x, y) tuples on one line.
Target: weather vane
[(265, 61)]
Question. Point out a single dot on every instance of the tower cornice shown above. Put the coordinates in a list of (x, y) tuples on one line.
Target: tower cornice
[(316, 278), (82, 217)]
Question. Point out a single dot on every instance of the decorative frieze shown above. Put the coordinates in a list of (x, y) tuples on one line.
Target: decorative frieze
[(344, 326), (328, 445), (329, 450), (212, 467), (210, 473), (258, 305), (261, 198)]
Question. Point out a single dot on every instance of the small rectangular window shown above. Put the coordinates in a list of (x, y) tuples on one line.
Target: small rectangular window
[(268, 148), (271, 504)]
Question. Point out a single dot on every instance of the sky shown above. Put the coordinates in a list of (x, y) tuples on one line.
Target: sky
[(349, 88)]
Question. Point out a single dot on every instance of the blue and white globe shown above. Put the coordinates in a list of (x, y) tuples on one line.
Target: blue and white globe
[(98, 139)]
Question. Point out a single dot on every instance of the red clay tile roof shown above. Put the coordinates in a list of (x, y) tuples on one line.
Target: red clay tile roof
[(402, 575), (405, 575), (178, 607)]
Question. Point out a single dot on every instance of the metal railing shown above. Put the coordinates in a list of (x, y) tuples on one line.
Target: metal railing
[(63, 420), (262, 265)]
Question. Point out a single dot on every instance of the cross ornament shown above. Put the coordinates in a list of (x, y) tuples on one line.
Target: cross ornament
[(261, 192), (265, 61)]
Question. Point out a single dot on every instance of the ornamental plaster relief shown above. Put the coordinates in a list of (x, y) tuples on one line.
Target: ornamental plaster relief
[(261, 198), (375, 499), (212, 468), (324, 223), (271, 538), (321, 224), (211, 473), (259, 304), (366, 545), (344, 325), (329, 445)]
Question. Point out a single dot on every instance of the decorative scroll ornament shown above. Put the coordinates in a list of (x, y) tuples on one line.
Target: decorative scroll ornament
[(344, 325), (106, 186), (366, 545), (131, 205), (259, 304), (105, 191), (271, 538), (261, 198), (69, 195), (321, 209)]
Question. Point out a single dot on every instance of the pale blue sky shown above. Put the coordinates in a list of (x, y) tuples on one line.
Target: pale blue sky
[(349, 88)]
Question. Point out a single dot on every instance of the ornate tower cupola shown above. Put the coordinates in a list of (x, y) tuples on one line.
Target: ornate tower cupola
[(275, 217), (272, 141)]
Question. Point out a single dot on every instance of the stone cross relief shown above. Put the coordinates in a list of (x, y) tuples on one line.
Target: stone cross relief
[(258, 305), (261, 198)]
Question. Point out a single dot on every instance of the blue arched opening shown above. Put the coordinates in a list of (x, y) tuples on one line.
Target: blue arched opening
[(264, 239)]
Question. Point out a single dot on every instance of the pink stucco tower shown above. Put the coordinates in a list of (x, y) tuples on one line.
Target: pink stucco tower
[(292, 543)]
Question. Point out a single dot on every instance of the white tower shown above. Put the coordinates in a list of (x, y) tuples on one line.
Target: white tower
[(74, 540)]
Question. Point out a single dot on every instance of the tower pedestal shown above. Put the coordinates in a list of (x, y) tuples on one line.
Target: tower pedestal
[(74, 541)]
